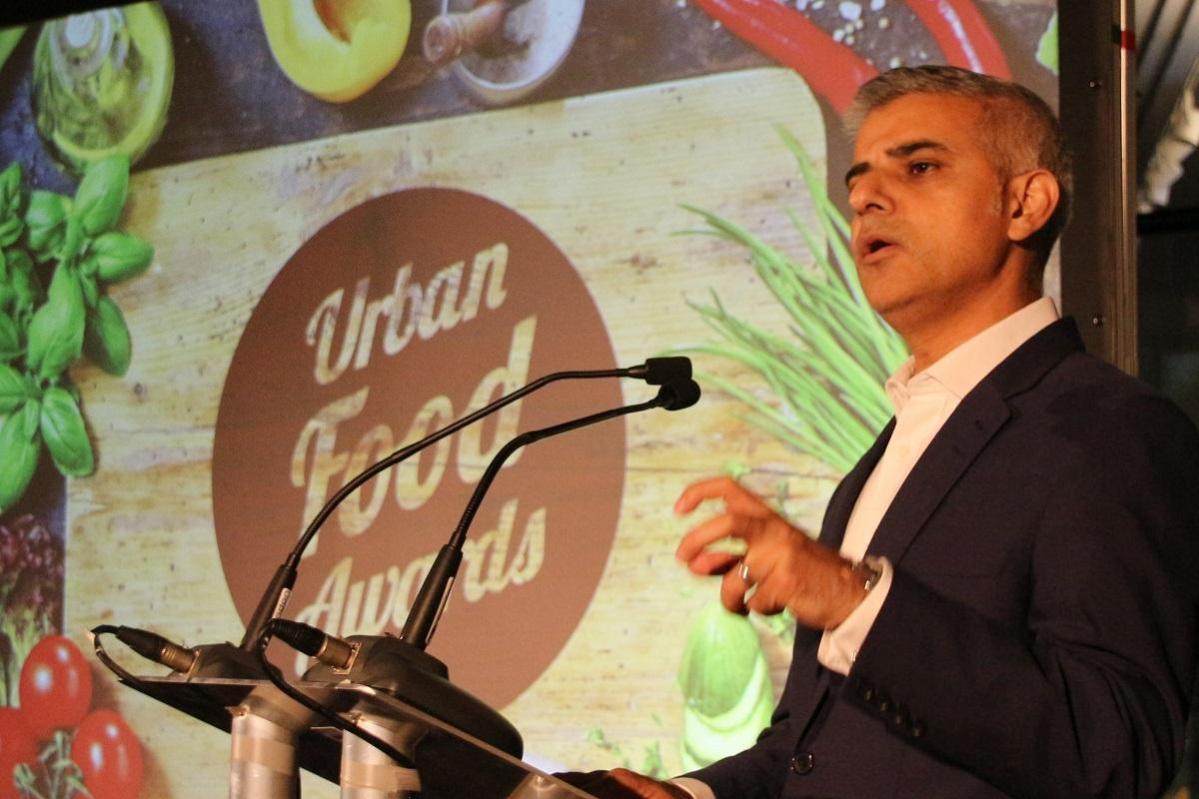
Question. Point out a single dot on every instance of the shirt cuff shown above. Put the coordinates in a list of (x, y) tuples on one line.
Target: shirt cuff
[(697, 789), (839, 646)]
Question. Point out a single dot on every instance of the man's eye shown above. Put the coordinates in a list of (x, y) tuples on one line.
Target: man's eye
[(921, 167)]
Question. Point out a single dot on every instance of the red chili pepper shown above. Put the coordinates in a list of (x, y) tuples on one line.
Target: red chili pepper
[(963, 35), (832, 70)]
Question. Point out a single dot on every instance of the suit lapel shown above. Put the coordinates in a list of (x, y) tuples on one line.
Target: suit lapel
[(951, 451), (809, 710), (836, 516), (977, 419)]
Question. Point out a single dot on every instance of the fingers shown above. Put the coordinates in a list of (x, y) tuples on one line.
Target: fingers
[(736, 498), (733, 592), (697, 492), (645, 787), (745, 517), (745, 514), (726, 525), (621, 784), (712, 563), (597, 783), (751, 586), (767, 596), (761, 595)]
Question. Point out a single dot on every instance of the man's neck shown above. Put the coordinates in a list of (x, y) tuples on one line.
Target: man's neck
[(933, 341)]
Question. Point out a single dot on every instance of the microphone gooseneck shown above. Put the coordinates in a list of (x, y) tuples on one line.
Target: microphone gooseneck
[(435, 590)]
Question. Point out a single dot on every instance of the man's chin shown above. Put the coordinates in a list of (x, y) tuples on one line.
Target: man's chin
[(883, 295)]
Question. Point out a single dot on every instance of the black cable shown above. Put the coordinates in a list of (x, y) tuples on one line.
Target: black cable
[(112, 665), (133, 681), (276, 677)]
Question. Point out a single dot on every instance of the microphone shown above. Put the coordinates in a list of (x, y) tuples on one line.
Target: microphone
[(663, 371), (680, 392)]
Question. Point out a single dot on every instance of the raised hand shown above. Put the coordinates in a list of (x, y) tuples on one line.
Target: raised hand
[(781, 567)]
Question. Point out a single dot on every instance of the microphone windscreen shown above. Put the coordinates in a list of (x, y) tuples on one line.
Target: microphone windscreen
[(679, 394), (666, 371)]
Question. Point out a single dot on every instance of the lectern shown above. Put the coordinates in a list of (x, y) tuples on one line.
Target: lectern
[(272, 736)]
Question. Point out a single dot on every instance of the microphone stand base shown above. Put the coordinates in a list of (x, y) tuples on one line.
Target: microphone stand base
[(367, 773)]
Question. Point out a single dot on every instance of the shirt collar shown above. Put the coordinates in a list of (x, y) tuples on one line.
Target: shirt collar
[(964, 367)]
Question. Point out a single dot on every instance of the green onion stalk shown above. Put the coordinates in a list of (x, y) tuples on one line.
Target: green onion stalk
[(826, 373)]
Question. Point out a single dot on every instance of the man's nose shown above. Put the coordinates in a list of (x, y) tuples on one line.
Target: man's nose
[(869, 194)]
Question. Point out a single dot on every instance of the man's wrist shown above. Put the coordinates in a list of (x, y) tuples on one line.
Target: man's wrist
[(858, 580), (839, 646), (868, 571)]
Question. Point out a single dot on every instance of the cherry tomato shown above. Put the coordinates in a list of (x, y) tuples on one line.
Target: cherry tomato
[(56, 686), (109, 755), (16, 747)]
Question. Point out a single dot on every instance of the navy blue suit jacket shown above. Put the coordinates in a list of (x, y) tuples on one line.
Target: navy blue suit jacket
[(1039, 638)]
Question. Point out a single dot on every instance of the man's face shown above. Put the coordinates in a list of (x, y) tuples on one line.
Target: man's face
[(929, 226)]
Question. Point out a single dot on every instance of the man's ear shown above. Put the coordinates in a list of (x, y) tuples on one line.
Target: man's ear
[(1032, 199)]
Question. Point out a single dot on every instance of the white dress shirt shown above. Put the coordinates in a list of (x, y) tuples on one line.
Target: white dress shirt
[(922, 402)]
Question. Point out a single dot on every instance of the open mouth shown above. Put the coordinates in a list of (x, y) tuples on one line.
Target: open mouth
[(874, 245)]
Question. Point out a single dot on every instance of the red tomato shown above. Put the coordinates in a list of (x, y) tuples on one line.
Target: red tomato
[(56, 686), (109, 755), (16, 747)]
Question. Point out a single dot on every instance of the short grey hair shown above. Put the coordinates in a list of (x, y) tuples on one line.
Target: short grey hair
[(1020, 130)]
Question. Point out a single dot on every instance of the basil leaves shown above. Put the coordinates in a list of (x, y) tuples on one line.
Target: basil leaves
[(58, 254)]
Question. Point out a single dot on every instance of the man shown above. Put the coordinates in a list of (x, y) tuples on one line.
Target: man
[(1002, 600)]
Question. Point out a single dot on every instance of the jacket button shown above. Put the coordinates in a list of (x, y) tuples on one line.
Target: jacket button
[(803, 763)]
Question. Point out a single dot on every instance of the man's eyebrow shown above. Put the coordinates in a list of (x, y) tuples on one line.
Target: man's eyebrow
[(859, 168), (908, 148), (898, 151)]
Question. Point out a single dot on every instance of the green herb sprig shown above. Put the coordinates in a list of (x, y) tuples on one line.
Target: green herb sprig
[(57, 775), (826, 375), (74, 242), (652, 764)]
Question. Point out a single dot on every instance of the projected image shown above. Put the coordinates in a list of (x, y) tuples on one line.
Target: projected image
[(249, 248)]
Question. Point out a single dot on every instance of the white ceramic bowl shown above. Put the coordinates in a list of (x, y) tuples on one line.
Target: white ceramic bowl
[(549, 27)]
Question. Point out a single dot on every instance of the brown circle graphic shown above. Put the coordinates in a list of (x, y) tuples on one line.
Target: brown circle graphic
[(395, 319)]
